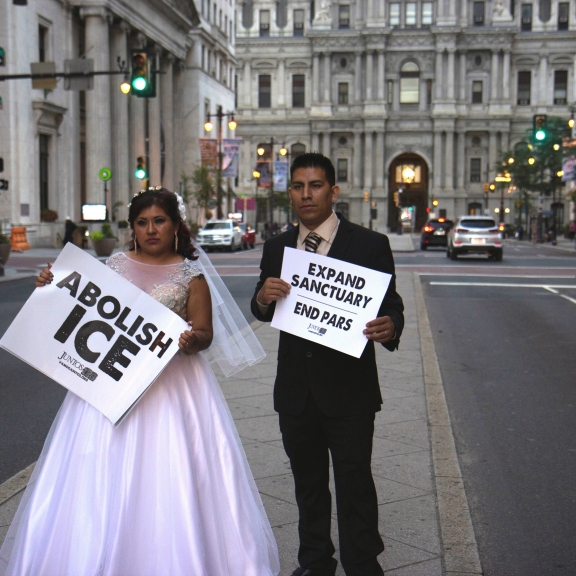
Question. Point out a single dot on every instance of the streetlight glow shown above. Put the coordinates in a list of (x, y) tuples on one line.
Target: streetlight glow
[(283, 151), (510, 160), (531, 161), (571, 122), (260, 151), (125, 87), (497, 210), (256, 174), (556, 147), (232, 124), (560, 173), (208, 125)]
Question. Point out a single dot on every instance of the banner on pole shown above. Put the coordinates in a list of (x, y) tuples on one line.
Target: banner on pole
[(231, 152), (280, 176), (95, 333), (209, 152), (264, 169)]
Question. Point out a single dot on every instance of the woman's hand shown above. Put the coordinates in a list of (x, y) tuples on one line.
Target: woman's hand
[(45, 277), (193, 341)]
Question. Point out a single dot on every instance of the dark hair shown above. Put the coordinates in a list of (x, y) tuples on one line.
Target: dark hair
[(315, 160), (168, 202)]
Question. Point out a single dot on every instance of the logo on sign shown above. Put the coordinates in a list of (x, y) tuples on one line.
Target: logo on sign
[(316, 330)]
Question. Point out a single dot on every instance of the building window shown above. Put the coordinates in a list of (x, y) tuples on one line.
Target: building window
[(411, 15), (427, 13), (214, 13), (264, 22), (475, 169), (477, 92), (44, 146), (394, 14), (390, 91), (342, 92), (429, 92), (298, 85), (264, 90), (298, 22), (560, 86), (247, 14), (344, 16), (563, 15), (297, 150), (42, 43), (342, 170), (524, 83), (526, 21), (478, 13), (410, 83)]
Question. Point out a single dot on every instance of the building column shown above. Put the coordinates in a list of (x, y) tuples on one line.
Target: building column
[(369, 10), (381, 76), (326, 147), (327, 77), (543, 82), (98, 109), (154, 137), (449, 163), (368, 160), (439, 75), (461, 160), (137, 134), (178, 71), (315, 78), (247, 84), (451, 73), (281, 83), (369, 75), (504, 141), (358, 78), (438, 160), (506, 77), (462, 77), (357, 159), (380, 159), (492, 154), (120, 126), (464, 14), (315, 142), (169, 177), (494, 76), (452, 9)]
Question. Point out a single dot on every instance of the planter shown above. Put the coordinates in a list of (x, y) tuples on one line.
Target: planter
[(104, 247), (5, 250)]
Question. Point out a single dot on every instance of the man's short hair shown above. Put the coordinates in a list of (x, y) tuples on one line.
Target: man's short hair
[(315, 160)]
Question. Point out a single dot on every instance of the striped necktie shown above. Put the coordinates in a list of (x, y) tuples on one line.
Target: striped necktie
[(312, 241)]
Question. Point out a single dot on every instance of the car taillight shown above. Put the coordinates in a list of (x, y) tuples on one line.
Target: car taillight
[(428, 229), (461, 230), (494, 230)]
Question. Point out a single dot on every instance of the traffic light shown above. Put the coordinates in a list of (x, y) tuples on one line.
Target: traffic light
[(492, 187), (539, 127), (395, 198), (141, 172), (366, 196), (485, 187), (143, 79)]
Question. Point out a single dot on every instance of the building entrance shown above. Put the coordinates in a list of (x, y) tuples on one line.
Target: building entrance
[(408, 177)]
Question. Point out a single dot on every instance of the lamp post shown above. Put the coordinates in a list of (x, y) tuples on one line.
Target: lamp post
[(502, 178), (232, 124), (261, 150), (255, 176)]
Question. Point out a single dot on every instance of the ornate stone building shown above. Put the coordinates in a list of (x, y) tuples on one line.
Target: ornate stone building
[(438, 87), (54, 142)]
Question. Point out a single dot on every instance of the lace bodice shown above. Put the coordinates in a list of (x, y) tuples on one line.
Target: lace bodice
[(167, 283)]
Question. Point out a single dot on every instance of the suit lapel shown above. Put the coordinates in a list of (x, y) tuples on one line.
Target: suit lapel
[(342, 240)]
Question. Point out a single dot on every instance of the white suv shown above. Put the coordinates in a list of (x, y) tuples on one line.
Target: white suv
[(477, 234), (220, 234)]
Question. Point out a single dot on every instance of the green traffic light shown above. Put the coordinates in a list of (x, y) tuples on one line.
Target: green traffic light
[(540, 135), (139, 83), (140, 173)]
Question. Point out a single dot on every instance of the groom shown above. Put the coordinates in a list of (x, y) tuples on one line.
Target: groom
[(327, 400)]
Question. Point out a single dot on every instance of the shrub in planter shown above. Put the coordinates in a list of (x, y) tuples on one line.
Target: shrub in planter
[(5, 248), (48, 215), (103, 240), (123, 224)]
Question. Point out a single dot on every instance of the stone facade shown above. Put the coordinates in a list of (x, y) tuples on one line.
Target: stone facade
[(54, 142), (440, 85)]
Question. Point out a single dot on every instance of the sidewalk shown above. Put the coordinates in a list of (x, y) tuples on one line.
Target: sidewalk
[(424, 515)]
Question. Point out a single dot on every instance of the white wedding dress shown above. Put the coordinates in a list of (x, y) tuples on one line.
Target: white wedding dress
[(167, 493)]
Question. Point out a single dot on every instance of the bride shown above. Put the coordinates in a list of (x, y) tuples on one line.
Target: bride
[(169, 491)]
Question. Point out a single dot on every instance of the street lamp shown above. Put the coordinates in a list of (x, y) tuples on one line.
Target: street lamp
[(208, 126), (261, 150), (502, 178)]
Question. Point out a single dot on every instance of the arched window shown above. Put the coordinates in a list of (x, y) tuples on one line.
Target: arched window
[(297, 150), (409, 83), (247, 14)]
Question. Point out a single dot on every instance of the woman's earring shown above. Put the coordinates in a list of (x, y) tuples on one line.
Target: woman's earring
[(176, 241), (135, 246)]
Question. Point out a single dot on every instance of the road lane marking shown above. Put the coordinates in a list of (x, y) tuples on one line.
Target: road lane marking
[(568, 298), (491, 275), (551, 290), (502, 285)]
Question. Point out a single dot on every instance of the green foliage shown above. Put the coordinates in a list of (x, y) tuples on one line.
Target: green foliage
[(97, 235), (123, 224), (282, 200), (197, 189), (104, 232), (3, 238)]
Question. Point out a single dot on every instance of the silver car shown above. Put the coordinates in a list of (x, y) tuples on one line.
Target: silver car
[(220, 234), (475, 234)]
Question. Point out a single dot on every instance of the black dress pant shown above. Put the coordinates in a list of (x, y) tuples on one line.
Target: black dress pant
[(308, 439)]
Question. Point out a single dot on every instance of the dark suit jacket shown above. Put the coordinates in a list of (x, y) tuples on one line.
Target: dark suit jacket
[(340, 384)]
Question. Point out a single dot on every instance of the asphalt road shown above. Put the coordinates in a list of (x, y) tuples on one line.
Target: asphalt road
[(506, 355)]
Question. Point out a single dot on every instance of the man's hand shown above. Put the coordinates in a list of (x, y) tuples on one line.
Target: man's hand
[(272, 290), (380, 330), (45, 277)]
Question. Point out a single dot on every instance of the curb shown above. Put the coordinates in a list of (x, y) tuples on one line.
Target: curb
[(15, 484), (459, 548)]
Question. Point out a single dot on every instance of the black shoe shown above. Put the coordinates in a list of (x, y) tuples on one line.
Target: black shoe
[(311, 572)]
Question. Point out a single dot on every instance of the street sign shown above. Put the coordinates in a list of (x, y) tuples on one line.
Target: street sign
[(2, 57), (105, 174), (79, 66), (3, 184), (43, 68)]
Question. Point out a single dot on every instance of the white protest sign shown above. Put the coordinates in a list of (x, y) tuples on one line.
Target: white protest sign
[(330, 301), (95, 333)]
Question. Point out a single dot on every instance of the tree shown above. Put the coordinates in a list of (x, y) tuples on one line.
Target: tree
[(198, 189)]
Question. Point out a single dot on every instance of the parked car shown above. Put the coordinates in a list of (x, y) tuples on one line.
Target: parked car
[(224, 234), (507, 230), (475, 234), (435, 232), (248, 235)]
